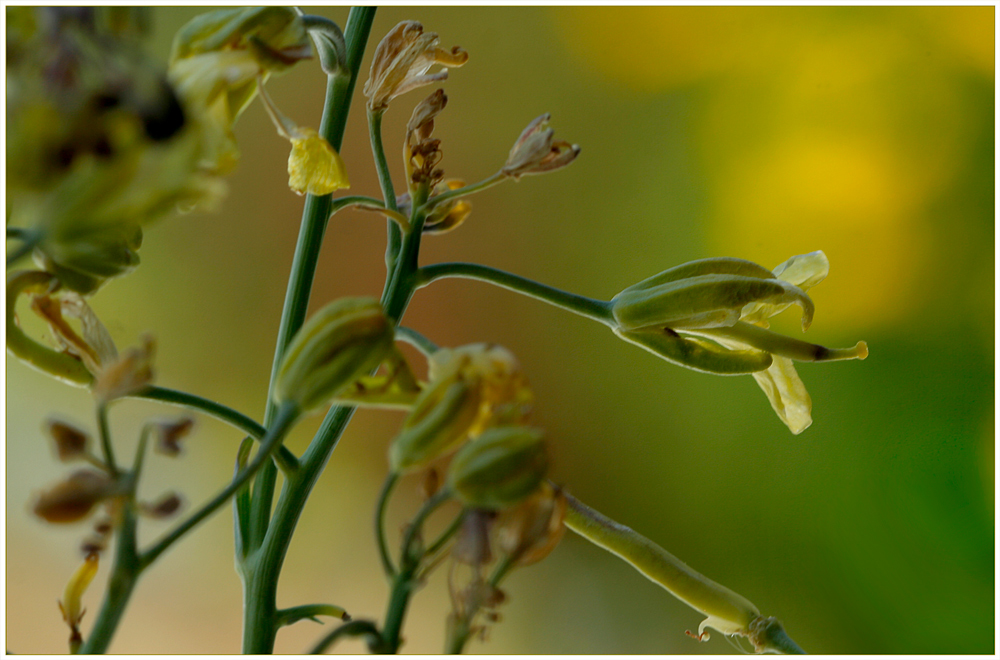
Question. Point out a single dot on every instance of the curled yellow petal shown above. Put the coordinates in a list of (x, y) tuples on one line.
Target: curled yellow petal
[(314, 167)]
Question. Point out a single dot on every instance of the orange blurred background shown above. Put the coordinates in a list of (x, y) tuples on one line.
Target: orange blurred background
[(751, 132)]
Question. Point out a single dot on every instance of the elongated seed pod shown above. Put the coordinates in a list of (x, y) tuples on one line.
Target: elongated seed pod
[(696, 354), (727, 611), (703, 301), (711, 266)]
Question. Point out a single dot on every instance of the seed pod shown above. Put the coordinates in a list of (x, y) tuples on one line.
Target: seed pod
[(339, 344), (500, 468), (697, 354)]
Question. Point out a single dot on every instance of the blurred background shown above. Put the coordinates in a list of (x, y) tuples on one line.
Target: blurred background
[(758, 133)]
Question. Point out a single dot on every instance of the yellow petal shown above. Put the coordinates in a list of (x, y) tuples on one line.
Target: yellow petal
[(787, 394), (314, 167)]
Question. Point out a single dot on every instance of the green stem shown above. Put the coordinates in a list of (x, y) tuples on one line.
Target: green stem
[(315, 215), (385, 182), (404, 584), (383, 499), (464, 191), (105, 432), (124, 575), (287, 461), (597, 310), (350, 629), (284, 420), (269, 537), (417, 340)]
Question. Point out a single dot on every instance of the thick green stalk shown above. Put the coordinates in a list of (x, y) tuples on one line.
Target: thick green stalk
[(124, 574), (263, 563), (597, 310), (315, 214)]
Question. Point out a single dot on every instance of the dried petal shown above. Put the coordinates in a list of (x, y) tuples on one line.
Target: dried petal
[(75, 497), (130, 373), (70, 441), (170, 433)]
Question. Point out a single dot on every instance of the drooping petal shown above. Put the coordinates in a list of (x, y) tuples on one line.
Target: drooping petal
[(314, 167), (787, 394)]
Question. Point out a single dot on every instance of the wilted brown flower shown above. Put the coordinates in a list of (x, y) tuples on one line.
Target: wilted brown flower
[(535, 152), (75, 497), (402, 60), (170, 433), (70, 441)]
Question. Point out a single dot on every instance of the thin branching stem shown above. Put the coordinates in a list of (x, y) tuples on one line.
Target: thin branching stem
[(380, 509), (417, 340), (598, 310)]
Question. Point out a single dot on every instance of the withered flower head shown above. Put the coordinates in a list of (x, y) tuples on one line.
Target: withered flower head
[(402, 60), (421, 153), (535, 152), (70, 441), (169, 434), (75, 497), (166, 506), (472, 544)]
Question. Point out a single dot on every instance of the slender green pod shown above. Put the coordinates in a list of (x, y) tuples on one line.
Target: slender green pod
[(697, 354), (727, 611)]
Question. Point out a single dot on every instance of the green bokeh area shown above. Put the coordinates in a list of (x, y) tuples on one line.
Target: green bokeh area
[(760, 134)]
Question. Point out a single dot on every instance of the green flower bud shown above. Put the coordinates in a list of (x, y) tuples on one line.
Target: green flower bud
[(703, 301), (500, 468), (339, 344), (440, 420)]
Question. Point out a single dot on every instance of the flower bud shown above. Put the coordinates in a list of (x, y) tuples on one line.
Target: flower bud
[(500, 468), (339, 344), (702, 301), (535, 152), (72, 499), (440, 420), (401, 62), (70, 441)]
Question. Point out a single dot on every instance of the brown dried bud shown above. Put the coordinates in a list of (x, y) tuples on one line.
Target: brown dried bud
[(170, 433), (430, 484), (535, 152), (71, 500), (70, 441), (166, 506), (401, 62)]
